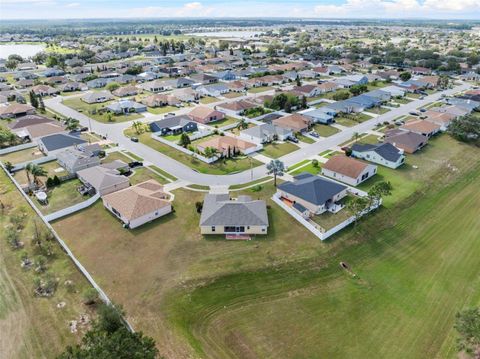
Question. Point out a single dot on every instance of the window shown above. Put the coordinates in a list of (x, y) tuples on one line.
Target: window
[(213, 228)]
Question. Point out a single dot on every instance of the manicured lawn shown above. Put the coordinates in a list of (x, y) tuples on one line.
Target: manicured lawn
[(260, 89), (402, 100), (308, 168), (276, 150), (220, 167), (325, 130), (62, 196), (52, 168), (173, 138), (161, 110), (413, 95), (116, 155), (208, 99), (248, 184), (142, 174), (134, 156), (16, 157), (85, 108), (33, 327), (226, 121), (346, 121), (164, 173), (233, 94), (378, 110), (304, 138), (368, 139), (296, 165)]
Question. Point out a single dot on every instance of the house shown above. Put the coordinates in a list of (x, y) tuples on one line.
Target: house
[(15, 110), (443, 119), (295, 122), (126, 91), (44, 90), (422, 127), (186, 95), (417, 70), (126, 106), (214, 90), (430, 81), (203, 114), (203, 79), (72, 86), (384, 154), (408, 141), (237, 86), (308, 90), (139, 204), (266, 133), (318, 116), (327, 87), (228, 145), (394, 91), (103, 179), (243, 215), (157, 85), (348, 170), (97, 97), (160, 100), (27, 120), (174, 125), (52, 144), (316, 194), (38, 130), (77, 159), (236, 107)]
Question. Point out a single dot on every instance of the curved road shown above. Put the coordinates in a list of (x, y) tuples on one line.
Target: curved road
[(114, 132)]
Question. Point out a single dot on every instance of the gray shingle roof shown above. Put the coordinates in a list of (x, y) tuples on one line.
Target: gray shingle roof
[(60, 140), (385, 150), (219, 210), (313, 189)]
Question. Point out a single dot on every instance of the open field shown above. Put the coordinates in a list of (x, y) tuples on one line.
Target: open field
[(34, 327), (218, 295), (219, 167), (276, 150)]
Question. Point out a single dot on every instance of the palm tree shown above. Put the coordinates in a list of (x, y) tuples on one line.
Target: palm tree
[(36, 171), (277, 168)]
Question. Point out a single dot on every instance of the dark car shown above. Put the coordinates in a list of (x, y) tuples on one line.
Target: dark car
[(83, 129), (134, 164), (134, 139), (413, 113), (293, 139)]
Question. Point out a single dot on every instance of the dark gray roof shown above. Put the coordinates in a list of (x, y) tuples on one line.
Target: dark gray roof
[(60, 140), (385, 150), (219, 210), (313, 189), (299, 207), (170, 122)]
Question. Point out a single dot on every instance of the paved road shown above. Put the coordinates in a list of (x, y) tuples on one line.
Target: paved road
[(114, 132)]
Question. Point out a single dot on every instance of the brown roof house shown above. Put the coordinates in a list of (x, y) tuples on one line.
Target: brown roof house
[(348, 170), (236, 107), (294, 122), (105, 180), (224, 144), (16, 110), (160, 100), (422, 127), (139, 204), (408, 141), (129, 90), (203, 114)]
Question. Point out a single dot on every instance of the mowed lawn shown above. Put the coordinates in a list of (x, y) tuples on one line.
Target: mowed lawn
[(276, 150), (416, 265)]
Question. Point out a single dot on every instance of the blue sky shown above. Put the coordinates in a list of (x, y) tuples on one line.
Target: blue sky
[(59, 9)]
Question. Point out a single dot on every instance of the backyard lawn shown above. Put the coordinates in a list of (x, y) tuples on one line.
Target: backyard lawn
[(225, 122), (62, 196), (21, 156), (208, 99), (52, 168), (116, 155), (276, 150), (325, 130), (220, 167), (85, 108)]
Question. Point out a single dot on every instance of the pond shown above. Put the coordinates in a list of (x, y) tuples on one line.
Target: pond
[(237, 34), (24, 50)]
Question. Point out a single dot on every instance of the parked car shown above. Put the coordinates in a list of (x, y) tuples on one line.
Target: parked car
[(134, 139), (134, 164), (314, 134), (293, 139), (83, 129), (423, 110), (413, 113)]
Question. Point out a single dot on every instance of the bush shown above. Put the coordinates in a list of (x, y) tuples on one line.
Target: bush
[(199, 206), (50, 182), (56, 180), (315, 163), (90, 296)]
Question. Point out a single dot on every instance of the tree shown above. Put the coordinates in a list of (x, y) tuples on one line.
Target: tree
[(109, 117), (72, 124), (33, 99), (184, 140), (466, 129), (7, 137), (340, 95), (51, 61), (467, 324), (138, 127), (242, 124), (112, 86), (379, 190), (11, 64), (299, 82), (210, 152), (356, 206), (36, 171), (277, 168), (8, 166), (358, 89), (109, 338), (405, 76)]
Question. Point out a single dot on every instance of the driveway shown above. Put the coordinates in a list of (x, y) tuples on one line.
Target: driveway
[(114, 132)]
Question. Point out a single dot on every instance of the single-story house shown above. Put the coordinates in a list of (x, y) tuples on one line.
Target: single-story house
[(97, 97), (241, 216), (39, 130), (174, 125), (408, 141), (73, 86), (295, 122), (314, 193), (139, 204), (327, 87), (236, 107), (160, 100), (126, 91), (204, 114), (14, 110), (77, 159), (228, 144), (27, 120), (266, 133), (394, 91), (44, 90), (422, 127), (443, 119), (105, 180), (186, 94), (348, 170), (214, 90), (55, 143), (318, 116), (308, 90), (384, 154), (203, 79), (126, 106)]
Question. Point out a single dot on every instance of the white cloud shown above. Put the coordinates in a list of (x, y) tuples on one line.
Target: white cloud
[(73, 4)]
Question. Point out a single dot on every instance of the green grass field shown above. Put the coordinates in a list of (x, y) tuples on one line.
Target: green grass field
[(276, 150), (325, 130), (16, 157), (85, 108), (161, 110), (260, 89)]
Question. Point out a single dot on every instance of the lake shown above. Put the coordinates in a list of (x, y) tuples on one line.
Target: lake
[(24, 50), (237, 34)]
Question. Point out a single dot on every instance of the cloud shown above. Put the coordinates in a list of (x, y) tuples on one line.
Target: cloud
[(73, 4)]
